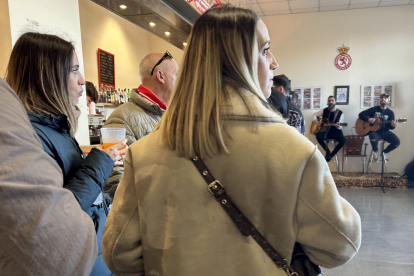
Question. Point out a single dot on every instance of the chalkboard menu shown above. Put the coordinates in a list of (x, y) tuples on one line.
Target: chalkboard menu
[(106, 64)]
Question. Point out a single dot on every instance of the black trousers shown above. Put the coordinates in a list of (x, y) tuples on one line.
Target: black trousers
[(333, 133), (389, 136)]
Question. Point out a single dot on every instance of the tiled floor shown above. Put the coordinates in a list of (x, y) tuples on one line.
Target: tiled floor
[(387, 233)]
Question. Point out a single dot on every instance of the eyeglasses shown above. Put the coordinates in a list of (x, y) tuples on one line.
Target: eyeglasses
[(166, 55)]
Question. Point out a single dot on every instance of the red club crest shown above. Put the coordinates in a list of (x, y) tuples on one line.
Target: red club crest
[(343, 61)]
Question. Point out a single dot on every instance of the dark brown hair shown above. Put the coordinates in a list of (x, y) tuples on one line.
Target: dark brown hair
[(91, 92), (38, 71)]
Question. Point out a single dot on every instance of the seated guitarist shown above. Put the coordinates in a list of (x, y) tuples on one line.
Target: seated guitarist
[(334, 115), (374, 136)]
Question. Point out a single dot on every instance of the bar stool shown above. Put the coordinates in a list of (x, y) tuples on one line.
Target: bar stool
[(380, 153), (336, 160)]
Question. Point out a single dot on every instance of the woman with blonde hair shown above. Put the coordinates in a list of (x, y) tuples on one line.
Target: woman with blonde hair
[(164, 220), (44, 72)]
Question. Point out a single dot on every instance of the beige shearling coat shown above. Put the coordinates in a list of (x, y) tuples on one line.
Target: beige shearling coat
[(43, 230), (164, 222)]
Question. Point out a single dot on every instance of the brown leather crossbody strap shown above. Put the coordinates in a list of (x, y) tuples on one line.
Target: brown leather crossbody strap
[(242, 223)]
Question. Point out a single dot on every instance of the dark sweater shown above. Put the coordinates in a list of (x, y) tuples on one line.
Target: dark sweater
[(279, 101), (369, 113)]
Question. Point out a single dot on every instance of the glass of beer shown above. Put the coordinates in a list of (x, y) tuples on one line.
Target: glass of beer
[(112, 136)]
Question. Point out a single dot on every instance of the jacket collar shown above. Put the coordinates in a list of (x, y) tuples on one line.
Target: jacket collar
[(58, 123), (151, 97), (249, 108), (144, 103)]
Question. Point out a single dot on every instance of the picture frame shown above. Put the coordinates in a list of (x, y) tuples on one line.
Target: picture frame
[(370, 94), (341, 94), (309, 97)]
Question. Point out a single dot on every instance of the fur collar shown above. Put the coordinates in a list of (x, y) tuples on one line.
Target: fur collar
[(249, 108)]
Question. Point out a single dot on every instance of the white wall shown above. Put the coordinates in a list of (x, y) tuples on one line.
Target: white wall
[(60, 17), (381, 42), (5, 41), (128, 42)]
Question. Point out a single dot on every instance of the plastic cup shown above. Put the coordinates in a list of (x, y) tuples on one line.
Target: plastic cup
[(112, 136)]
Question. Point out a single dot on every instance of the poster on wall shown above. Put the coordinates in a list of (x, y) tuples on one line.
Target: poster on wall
[(370, 94), (309, 97), (341, 94)]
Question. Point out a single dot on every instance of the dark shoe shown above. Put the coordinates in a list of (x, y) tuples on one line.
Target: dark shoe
[(328, 157)]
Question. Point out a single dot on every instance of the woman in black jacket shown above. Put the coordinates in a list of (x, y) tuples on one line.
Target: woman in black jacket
[(44, 72)]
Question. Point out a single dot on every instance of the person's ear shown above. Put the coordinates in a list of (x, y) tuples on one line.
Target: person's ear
[(159, 76), (280, 89)]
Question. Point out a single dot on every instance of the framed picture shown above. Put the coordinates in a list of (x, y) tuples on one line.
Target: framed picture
[(370, 94), (309, 97), (342, 95)]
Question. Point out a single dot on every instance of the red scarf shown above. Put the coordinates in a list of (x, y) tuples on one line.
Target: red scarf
[(151, 97)]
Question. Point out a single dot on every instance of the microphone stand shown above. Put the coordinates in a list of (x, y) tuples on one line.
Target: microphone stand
[(382, 149)]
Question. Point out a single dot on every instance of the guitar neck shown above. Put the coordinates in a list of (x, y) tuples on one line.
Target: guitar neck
[(332, 124), (383, 123)]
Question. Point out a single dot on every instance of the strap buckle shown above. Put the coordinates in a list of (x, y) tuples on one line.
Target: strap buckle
[(213, 186)]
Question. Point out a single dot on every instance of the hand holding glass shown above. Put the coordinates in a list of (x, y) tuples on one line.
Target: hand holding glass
[(114, 142)]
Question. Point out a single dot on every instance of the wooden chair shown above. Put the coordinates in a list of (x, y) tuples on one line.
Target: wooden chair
[(353, 148)]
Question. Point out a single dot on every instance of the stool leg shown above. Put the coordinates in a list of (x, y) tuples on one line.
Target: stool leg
[(363, 166), (344, 165), (369, 166), (337, 165)]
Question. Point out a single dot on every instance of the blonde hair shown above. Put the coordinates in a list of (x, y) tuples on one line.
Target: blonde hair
[(221, 56), (38, 71)]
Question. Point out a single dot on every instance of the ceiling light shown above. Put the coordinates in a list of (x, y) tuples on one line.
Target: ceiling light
[(167, 33), (123, 6), (152, 24), (185, 43)]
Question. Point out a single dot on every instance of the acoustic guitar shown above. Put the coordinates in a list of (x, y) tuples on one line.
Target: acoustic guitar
[(322, 127), (363, 128)]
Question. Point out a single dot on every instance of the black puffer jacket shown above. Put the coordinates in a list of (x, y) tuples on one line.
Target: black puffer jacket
[(84, 176)]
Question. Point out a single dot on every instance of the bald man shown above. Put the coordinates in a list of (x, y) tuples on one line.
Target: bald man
[(139, 116), (146, 106)]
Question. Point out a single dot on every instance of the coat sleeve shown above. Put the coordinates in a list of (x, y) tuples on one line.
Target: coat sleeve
[(390, 118), (329, 228), (43, 231), (318, 114), (88, 181), (341, 120), (121, 243), (364, 115)]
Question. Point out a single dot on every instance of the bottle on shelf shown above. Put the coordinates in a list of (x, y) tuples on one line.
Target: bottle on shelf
[(108, 95), (112, 96), (121, 97)]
